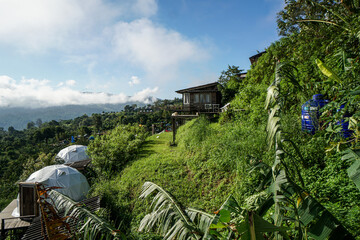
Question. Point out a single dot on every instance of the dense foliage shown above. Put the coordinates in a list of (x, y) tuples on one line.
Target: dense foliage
[(112, 151)]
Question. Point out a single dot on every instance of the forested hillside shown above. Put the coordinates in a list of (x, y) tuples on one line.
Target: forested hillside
[(25, 151), (251, 173)]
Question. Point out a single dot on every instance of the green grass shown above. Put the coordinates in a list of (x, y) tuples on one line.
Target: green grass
[(166, 166)]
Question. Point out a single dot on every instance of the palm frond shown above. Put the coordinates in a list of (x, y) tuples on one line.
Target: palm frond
[(272, 93), (333, 12), (354, 170), (200, 218), (89, 225), (273, 130), (324, 21), (168, 216)]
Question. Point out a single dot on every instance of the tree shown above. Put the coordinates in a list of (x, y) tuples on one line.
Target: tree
[(11, 130), (97, 121), (127, 108), (39, 122), (30, 125), (59, 131), (291, 18), (47, 133), (230, 82)]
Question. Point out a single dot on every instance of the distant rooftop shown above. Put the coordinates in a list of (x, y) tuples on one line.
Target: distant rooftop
[(254, 58)]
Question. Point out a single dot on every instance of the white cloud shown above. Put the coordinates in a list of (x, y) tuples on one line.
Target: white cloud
[(70, 83), (156, 49), (134, 81), (145, 95), (40, 25), (33, 93)]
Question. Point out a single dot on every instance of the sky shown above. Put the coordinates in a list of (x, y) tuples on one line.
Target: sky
[(56, 52)]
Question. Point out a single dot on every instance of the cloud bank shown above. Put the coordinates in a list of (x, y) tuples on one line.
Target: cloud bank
[(33, 93), (117, 30)]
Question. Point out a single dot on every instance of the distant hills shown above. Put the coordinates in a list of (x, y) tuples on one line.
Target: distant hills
[(20, 117)]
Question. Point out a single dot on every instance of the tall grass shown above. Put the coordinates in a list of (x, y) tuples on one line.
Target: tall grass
[(223, 147)]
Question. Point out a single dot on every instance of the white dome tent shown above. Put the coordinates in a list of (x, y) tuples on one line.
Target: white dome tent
[(73, 184), (73, 153)]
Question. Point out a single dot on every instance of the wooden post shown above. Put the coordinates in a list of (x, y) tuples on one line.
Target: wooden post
[(173, 128), (153, 129), (2, 234)]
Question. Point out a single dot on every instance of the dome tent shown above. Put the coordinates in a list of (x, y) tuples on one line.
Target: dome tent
[(73, 153), (73, 184)]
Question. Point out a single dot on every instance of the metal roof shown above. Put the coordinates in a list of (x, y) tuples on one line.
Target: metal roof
[(200, 88)]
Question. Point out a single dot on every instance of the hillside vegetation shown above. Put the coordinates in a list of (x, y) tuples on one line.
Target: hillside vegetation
[(252, 173)]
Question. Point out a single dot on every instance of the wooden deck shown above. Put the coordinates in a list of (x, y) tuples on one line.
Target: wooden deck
[(10, 222)]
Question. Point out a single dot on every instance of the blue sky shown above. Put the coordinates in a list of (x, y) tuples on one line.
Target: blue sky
[(54, 51)]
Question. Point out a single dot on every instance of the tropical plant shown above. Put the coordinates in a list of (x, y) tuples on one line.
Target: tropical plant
[(88, 225), (292, 202), (170, 218), (354, 170)]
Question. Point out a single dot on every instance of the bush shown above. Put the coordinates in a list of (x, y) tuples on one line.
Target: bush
[(113, 150)]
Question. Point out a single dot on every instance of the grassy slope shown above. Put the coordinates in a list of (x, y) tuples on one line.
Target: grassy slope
[(166, 166)]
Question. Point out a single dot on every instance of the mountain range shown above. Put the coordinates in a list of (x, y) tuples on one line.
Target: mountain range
[(20, 117)]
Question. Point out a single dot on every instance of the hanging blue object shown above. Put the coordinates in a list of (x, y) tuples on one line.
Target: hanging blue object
[(310, 113), (72, 139)]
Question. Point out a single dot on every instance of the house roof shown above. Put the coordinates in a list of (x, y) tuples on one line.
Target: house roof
[(254, 58), (201, 88), (243, 75)]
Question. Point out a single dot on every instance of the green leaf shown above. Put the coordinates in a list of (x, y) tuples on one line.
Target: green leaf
[(354, 170), (309, 210), (323, 227), (217, 225), (224, 216), (327, 71)]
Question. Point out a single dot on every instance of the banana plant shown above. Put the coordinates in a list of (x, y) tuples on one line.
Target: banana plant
[(88, 225), (353, 171), (235, 222), (173, 221), (291, 202), (170, 218)]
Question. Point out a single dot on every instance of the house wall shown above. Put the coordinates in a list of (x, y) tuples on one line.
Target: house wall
[(197, 102)]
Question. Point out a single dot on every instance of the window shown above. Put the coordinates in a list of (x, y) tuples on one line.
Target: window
[(186, 98), (205, 98), (196, 98)]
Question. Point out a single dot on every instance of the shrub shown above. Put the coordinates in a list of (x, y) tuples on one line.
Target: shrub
[(113, 150)]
